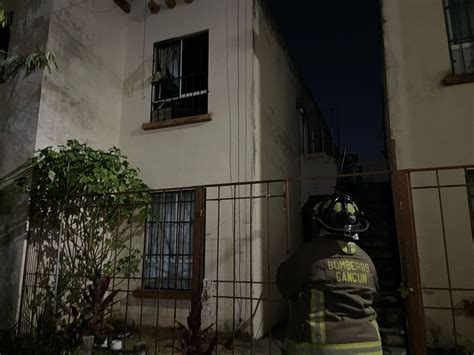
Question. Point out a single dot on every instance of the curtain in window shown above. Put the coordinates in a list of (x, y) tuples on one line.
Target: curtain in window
[(169, 247), (460, 19), (167, 71)]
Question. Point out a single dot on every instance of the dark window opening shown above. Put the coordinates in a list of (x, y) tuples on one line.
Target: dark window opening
[(180, 77), (5, 33), (313, 139), (168, 261), (460, 27)]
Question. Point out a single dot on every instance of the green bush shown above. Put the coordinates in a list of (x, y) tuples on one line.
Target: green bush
[(86, 207)]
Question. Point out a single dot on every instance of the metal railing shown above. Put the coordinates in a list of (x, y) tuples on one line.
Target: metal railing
[(238, 227), (443, 216), (241, 233)]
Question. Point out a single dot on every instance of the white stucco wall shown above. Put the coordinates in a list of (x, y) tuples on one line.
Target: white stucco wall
[(216, 151), (315, 171), (445, 248), (277, 149), (19, 107), (433, 126), (277, 90), (19, 99), (82, 99)]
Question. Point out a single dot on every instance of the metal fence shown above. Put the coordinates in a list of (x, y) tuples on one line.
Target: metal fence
[(225, 240), (443, 215), (214, 249)]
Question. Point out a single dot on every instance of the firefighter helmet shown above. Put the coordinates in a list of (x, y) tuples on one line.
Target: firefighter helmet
[(340, 214)]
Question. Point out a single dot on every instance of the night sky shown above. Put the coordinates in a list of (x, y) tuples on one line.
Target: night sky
[(336, 47)]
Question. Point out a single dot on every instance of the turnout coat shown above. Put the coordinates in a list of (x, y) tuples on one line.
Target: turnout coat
[(331, 284)]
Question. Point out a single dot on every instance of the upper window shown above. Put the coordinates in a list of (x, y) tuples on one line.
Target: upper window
[(180, 77), (311, 140), (5, 34), (5, 40), (169, 242), (460, 25)]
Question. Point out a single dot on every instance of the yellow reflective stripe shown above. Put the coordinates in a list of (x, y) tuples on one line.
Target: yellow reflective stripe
[(312, 315), (346, 346), (321, 313), (316, 317), (364, 348), (369, 344)]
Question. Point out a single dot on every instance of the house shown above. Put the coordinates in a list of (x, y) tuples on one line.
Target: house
[(429, 63), (202, 97)]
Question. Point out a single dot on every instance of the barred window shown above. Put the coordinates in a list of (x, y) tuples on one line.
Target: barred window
[(180, 77), (312, 137), (460, 27), (169, 242)]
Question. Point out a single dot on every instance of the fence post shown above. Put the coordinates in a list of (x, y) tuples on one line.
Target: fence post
[(404, 216), (198, 246)]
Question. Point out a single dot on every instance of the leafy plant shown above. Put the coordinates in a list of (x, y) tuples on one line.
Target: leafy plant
[(92, 200), (192, 339), (4, 16), (45, 337), (87, 206), (11, 66), (90, 317)]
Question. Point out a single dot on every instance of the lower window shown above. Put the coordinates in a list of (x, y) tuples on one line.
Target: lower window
[(169, 241)]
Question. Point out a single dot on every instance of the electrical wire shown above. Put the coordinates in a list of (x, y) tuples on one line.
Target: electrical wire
[(239, 275), (246, 178), (143, 53), (228, 88)]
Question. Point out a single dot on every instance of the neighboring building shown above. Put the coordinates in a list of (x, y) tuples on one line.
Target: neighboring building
[(199, 94), (318, 152), (429, 59)]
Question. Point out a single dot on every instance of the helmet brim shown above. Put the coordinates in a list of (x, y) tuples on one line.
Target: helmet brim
[(361, 227)]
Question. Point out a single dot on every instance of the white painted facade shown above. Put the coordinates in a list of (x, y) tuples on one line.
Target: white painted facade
[(318, 173), (432, 125), (101, 95)]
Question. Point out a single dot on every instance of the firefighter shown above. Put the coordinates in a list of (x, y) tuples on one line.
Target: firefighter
[(331, 283)]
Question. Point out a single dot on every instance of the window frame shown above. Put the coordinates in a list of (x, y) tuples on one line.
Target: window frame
[(312, 137), (181, 95), (197, 273), (452, 42), (8, 30)]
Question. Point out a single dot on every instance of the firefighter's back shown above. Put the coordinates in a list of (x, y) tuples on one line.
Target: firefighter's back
[(333, 313), (332, 284)]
